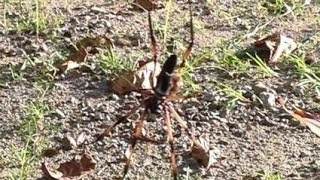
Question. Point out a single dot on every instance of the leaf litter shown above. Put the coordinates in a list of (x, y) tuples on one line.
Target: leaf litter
[(202, 152), (77, 61), (68, 143), (72, 169), (273, 47), (148, 5), (307, 119), (143, 78)]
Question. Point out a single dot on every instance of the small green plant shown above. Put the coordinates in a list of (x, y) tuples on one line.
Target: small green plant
[(187, 76), (113, 63), (43, 87), (234, 95), (38, 20), (15, 73), (230, 61), (168, 14), (275, 7), (192, 65), (307, 73), (33, 16), (263, 67), (210, 2), (281, 8), (269, 176), (31, 66), (30, 131), (279, 5), (33, 20), (5, 2)]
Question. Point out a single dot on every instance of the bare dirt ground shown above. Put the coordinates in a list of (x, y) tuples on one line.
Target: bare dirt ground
[(252, 139)]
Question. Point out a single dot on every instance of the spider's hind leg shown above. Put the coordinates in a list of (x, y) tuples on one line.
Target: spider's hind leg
[(182, 123), (123, 119), (137, 135), (171, 142)]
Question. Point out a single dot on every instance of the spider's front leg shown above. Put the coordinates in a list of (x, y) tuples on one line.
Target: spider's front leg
[(187, 53)]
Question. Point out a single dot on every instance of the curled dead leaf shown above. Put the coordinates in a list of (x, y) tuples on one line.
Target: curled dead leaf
[(143, 78), (312, 121), (50, 152), (54, 174), (71, 169), (273, 47), (100, 41), (201, 151), (86, 46), (200, 154), (79, 56), (69, 65), (87, 162), (149, 5)]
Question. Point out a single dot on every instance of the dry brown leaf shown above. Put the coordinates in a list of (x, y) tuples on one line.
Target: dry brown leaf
[(50, 152), (201, 151), (273, 47), (139, 79), (307, 114), (305, 118), (71, 169), (85, 47), (149, 5), (79, 56), (87, 162), (69, 65), (54, 174), (100, 41)]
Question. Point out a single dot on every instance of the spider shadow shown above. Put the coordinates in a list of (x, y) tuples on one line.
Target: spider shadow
[(309, 172), (188, 165), (91, 86)]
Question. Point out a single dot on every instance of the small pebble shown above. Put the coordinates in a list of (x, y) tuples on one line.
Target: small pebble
[(268, 99)]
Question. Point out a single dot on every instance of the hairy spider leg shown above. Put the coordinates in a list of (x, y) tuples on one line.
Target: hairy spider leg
[(154, 46), (135, 137), (123, 119), (171, 142)]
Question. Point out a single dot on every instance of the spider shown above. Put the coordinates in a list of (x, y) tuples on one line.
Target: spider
[(158, 99)]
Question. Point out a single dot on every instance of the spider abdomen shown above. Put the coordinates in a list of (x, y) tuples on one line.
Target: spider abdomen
[(164, 79)]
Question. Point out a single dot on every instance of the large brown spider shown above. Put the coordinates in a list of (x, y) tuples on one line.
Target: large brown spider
[(159, 98)]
